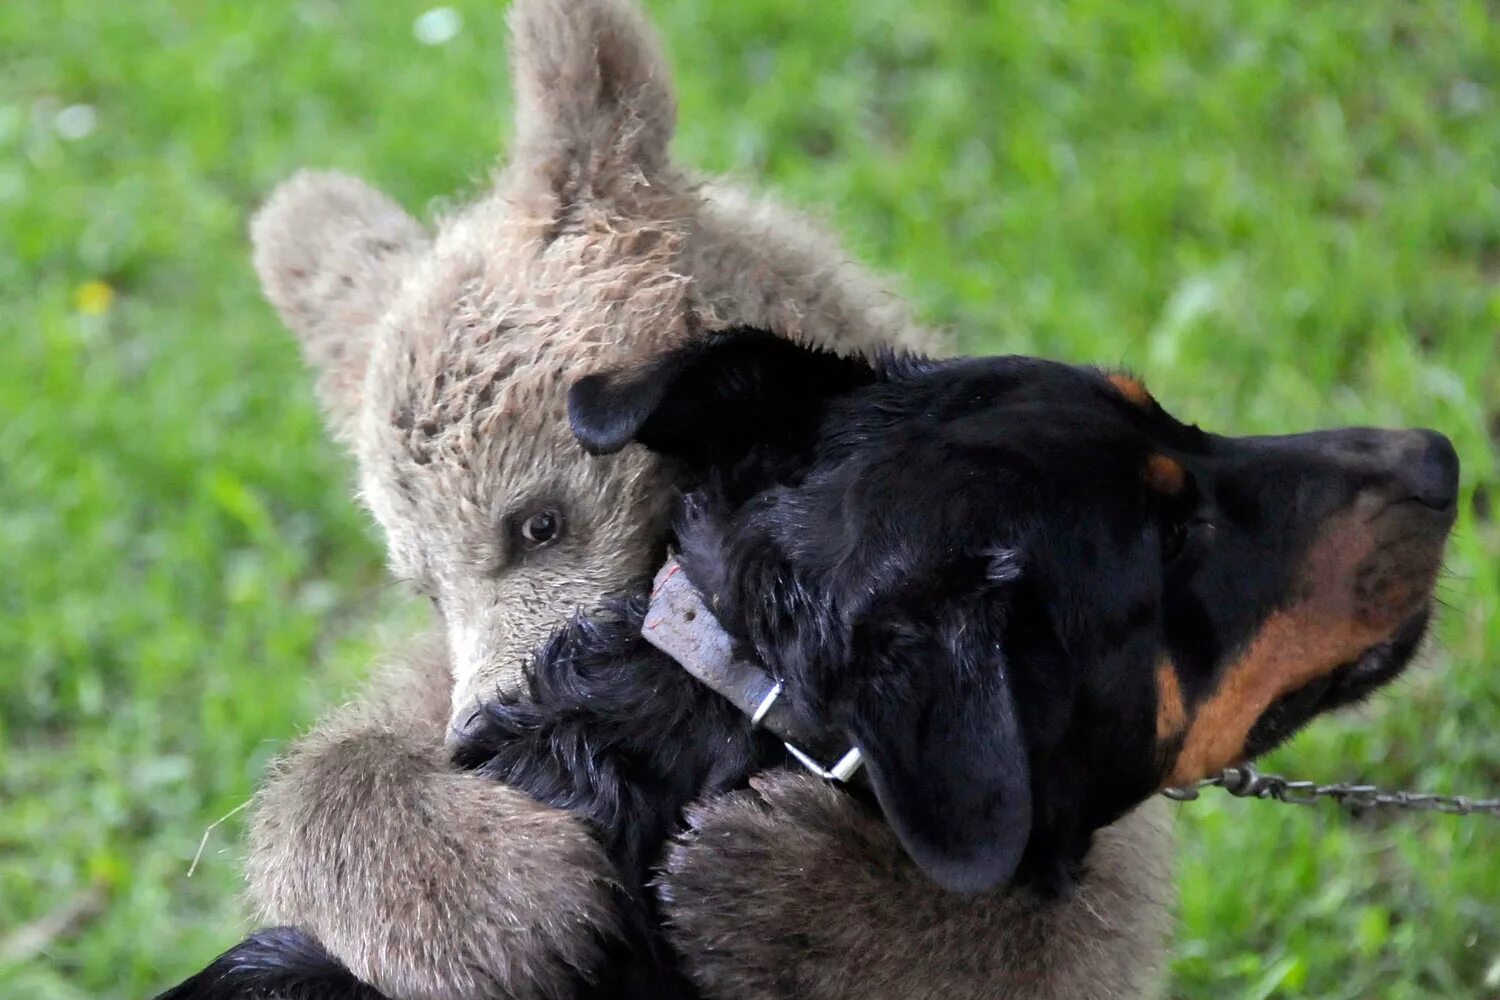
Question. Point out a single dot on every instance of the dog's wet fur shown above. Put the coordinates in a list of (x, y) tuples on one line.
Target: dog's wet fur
[(1028, 594)]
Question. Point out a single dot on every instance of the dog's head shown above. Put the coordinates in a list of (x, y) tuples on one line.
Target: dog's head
[(1026, 592)]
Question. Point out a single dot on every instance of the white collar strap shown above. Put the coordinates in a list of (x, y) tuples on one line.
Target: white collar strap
[(680, 624)]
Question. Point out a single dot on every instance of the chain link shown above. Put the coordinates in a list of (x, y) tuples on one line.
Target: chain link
[(1247, 782)]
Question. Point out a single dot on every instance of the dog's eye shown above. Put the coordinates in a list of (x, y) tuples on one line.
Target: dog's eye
[(1181, 535), (541, 528), (1173, 541)]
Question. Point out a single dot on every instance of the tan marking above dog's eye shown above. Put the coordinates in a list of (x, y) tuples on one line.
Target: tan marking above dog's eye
[(1132, 389), (1164, 475)]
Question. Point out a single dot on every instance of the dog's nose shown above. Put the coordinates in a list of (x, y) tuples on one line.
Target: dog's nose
[(1432, 475)]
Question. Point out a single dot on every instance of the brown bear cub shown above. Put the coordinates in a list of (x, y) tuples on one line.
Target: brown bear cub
[(444, 354)]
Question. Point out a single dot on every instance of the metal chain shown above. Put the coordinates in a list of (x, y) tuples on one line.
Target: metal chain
[(1247, 782)]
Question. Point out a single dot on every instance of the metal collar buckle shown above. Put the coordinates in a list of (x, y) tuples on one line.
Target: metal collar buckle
[(680, 624), (842, 770)]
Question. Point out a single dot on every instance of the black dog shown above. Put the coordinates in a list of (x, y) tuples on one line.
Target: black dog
[(1027, 594)]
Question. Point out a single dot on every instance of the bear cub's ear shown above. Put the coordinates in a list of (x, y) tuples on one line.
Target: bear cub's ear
[(593, 92), (714, 401), (331, 251)]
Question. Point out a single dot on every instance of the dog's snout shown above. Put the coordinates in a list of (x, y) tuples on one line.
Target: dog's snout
[(1394, 466), (1411, 473), (1431, 473)]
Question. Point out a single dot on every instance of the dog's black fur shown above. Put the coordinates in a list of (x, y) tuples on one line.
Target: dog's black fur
[(611, 729), (283, 963), (1013, 583)]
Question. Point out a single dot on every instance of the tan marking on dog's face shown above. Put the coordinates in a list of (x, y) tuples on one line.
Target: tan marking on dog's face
[(1335, 618), (1164, 475), (1171, 717), (1291, 650), (1132, 389)]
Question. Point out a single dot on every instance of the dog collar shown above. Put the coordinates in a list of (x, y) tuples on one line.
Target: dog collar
[(680, 624)]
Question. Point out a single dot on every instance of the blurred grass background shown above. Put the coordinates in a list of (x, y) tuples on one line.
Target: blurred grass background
[(1285, 215)]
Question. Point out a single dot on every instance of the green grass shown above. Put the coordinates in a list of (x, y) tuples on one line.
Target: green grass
[(1284, 214)]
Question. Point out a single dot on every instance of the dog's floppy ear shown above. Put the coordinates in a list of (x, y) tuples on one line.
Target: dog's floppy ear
[(712, 401), (938, 728)]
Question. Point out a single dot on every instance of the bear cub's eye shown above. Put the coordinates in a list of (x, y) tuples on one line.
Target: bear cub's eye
[(541, 528)]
